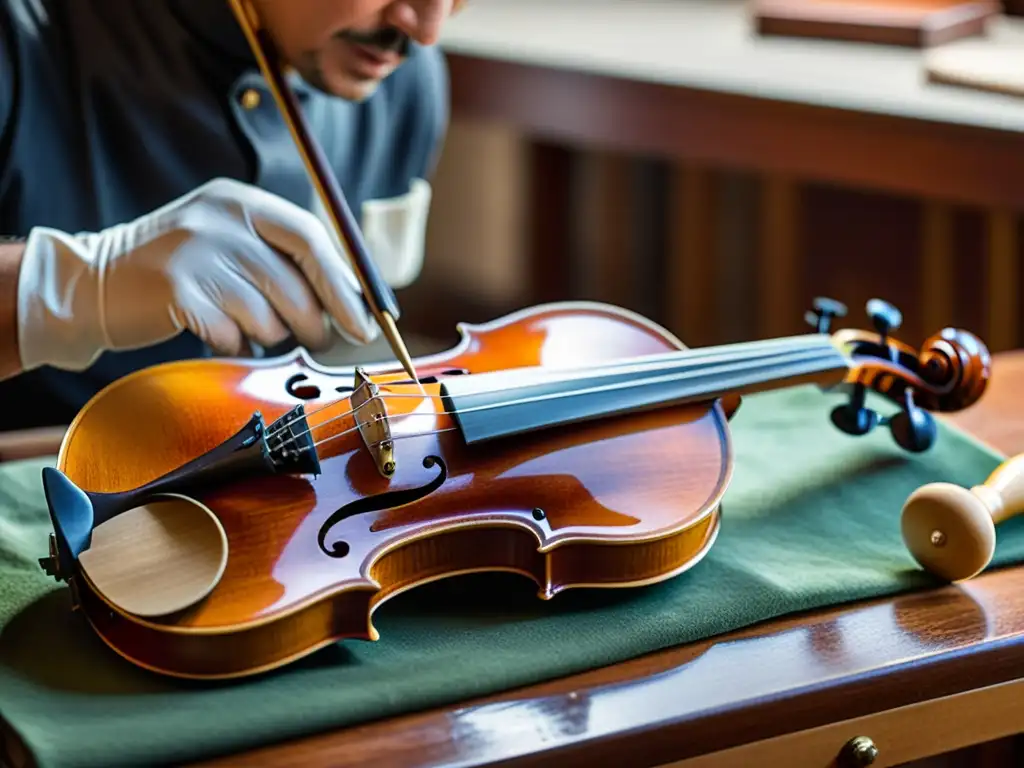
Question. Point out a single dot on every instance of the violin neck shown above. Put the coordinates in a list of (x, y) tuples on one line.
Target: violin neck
[(499, 404)]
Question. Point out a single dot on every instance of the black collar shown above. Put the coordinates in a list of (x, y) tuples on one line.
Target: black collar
[(213, 26)]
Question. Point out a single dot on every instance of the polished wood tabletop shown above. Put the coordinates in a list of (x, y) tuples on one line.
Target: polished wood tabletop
[(821, 667)]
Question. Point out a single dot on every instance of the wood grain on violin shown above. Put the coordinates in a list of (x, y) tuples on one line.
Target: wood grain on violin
[(567, 485)]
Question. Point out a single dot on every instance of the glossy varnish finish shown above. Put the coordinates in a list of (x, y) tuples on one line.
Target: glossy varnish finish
[(589, 504), (541, 505), (776, 678)]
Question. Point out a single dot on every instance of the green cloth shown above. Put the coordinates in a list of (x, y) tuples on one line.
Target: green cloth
[(811, 519)]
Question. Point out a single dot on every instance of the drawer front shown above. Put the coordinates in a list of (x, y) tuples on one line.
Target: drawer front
[(888, 738)]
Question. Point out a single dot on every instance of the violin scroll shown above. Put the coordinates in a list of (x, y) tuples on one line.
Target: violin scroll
[(949, 373), (958, 367)]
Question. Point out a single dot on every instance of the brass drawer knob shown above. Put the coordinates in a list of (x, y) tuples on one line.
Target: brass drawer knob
[(858, 752)]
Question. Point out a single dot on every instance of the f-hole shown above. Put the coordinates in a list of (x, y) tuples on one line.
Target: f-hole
[(301, 391)]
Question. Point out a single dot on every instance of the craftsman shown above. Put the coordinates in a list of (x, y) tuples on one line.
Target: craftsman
[(154, 202)]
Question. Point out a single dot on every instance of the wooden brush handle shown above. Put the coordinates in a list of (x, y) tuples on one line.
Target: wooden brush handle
[(378, 294), (951, 530), (1003, 491)]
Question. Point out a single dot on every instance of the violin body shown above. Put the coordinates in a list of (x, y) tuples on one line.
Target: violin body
[(618, 502), (220, 518)]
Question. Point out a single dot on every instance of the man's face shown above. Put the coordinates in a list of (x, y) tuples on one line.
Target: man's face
[(348, 47)]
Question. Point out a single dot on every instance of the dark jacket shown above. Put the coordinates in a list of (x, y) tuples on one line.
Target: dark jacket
[(112, 108)]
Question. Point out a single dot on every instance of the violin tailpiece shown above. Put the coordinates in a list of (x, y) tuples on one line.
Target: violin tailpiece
[(290, 442), (253, 451)]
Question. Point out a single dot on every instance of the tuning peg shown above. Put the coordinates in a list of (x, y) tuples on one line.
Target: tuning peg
[(854, 421), (853, 418), (951, 531), (824, 310), (884, 316), (912, 428)]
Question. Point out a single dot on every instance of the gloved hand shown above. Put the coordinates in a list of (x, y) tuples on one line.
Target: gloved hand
[(229, 262)]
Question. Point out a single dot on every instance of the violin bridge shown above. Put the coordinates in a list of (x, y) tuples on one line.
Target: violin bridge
[(372, 419)]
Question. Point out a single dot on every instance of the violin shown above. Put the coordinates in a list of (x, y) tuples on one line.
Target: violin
[(218, 518)]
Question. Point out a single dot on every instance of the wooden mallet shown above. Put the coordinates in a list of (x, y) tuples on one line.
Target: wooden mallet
[(951, 530)]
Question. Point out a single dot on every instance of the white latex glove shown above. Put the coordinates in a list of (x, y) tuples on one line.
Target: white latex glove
[(229, 262)]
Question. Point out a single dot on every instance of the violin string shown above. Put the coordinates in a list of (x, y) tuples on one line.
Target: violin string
[(597, 389), (428, 433), (276, 429), (738, 351), (375, 443)]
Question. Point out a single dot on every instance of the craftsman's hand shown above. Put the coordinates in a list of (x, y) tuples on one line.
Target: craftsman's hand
[(228, 262)]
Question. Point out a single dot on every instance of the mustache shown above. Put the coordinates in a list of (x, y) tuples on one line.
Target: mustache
[(386, 39)]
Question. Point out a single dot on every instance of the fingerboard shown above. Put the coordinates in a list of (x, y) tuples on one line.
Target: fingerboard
[(500, 404)]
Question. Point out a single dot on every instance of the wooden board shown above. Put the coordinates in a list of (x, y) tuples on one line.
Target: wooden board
[(995, 65), (910, 23)]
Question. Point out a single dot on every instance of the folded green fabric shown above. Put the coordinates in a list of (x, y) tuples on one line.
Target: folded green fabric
[(811, 519)]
